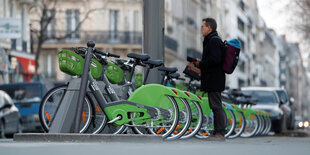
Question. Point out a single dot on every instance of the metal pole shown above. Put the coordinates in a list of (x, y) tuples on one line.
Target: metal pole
[(83, 86), (153, 33)]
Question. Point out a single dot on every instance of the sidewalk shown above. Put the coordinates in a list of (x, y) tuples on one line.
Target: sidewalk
[(67, 137)]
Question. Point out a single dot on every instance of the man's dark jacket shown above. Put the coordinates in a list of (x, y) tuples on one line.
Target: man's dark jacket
[(212, 75)]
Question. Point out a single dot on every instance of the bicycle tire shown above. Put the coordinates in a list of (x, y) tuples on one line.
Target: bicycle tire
[(261, 126), (185, 117), (197, 117), (172, 123), (230, 123), (238, 128), (48, 108), (268, 126), (251, 124)]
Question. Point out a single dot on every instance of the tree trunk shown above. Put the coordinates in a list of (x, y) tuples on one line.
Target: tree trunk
[(38, 55)]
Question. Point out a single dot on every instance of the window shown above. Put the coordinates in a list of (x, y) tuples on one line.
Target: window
[(262, 96), (11, 9), (13, 45), (242, 66), (241, 5), (50, 30), (135, 20), (191, 22), (241, 83), (113, 24), (24, 46), (250, 25), (240, 25), (282, 96), (242, 44), (73, 19)]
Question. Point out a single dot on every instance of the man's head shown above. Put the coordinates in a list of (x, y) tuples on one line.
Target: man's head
[(208, 25)]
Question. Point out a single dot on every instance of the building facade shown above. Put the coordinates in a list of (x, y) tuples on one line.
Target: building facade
[(17, 61)]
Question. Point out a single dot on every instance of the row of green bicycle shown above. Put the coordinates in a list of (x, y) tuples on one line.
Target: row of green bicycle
[(118, 100)]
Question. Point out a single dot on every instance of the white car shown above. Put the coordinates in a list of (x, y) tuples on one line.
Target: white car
[(9, 116), (270, 100)]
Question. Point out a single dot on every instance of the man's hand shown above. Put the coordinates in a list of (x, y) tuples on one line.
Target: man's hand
[(196, 62)]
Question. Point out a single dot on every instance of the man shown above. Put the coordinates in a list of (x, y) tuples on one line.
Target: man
[(212, 75)]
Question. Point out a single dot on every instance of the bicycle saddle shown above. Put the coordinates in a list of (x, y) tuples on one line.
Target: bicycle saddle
[(154, 63), (142, 57), (168, 70), (174, 75)]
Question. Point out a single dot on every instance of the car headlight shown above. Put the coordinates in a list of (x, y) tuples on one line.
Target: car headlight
[(306, 124), (300, 124)]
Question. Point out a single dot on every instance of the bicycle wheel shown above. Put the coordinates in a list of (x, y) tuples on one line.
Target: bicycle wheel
[(50, 104), (269, 125), (240, 125), (230, 122), (252, 125), (98, 121), (167, 122), (265, 131), (181, 128), (197, 120), (261, 126), (185, 117), (206, 128)]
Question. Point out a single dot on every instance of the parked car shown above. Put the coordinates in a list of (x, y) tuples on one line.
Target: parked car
[(9, 116), (27, 97), (269, 100), (290, 103), (299, 123)]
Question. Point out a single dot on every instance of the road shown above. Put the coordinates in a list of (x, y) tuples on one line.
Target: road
[(272, 145)]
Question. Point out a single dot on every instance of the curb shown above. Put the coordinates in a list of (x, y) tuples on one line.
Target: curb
[(65, 137), (294, 134)]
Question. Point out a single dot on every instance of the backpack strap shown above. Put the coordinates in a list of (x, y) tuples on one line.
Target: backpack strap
[(217, 37), (224, 42)]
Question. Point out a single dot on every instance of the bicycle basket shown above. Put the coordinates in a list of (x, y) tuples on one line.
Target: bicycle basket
[(72, 64), (114, 73)]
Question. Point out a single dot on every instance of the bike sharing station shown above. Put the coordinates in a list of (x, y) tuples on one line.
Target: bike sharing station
[(61, 125), (102, 100)]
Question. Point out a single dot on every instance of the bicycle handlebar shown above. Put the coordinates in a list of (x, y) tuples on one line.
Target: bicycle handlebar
[(113, 55), (96, 51)]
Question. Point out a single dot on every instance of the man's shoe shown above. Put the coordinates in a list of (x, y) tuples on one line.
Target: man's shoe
[(217, 137)]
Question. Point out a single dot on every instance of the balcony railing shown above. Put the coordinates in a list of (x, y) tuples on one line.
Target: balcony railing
[(107, 37)]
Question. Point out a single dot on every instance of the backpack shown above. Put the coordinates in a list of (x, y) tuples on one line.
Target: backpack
[(231, 55)]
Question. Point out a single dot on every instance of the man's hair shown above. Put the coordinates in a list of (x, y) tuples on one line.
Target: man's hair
[(210, 22)]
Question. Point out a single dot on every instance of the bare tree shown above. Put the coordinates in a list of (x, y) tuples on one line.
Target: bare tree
[(47, 10), (301, 16)]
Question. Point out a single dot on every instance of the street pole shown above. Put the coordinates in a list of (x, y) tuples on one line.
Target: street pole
[(153, 34)]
